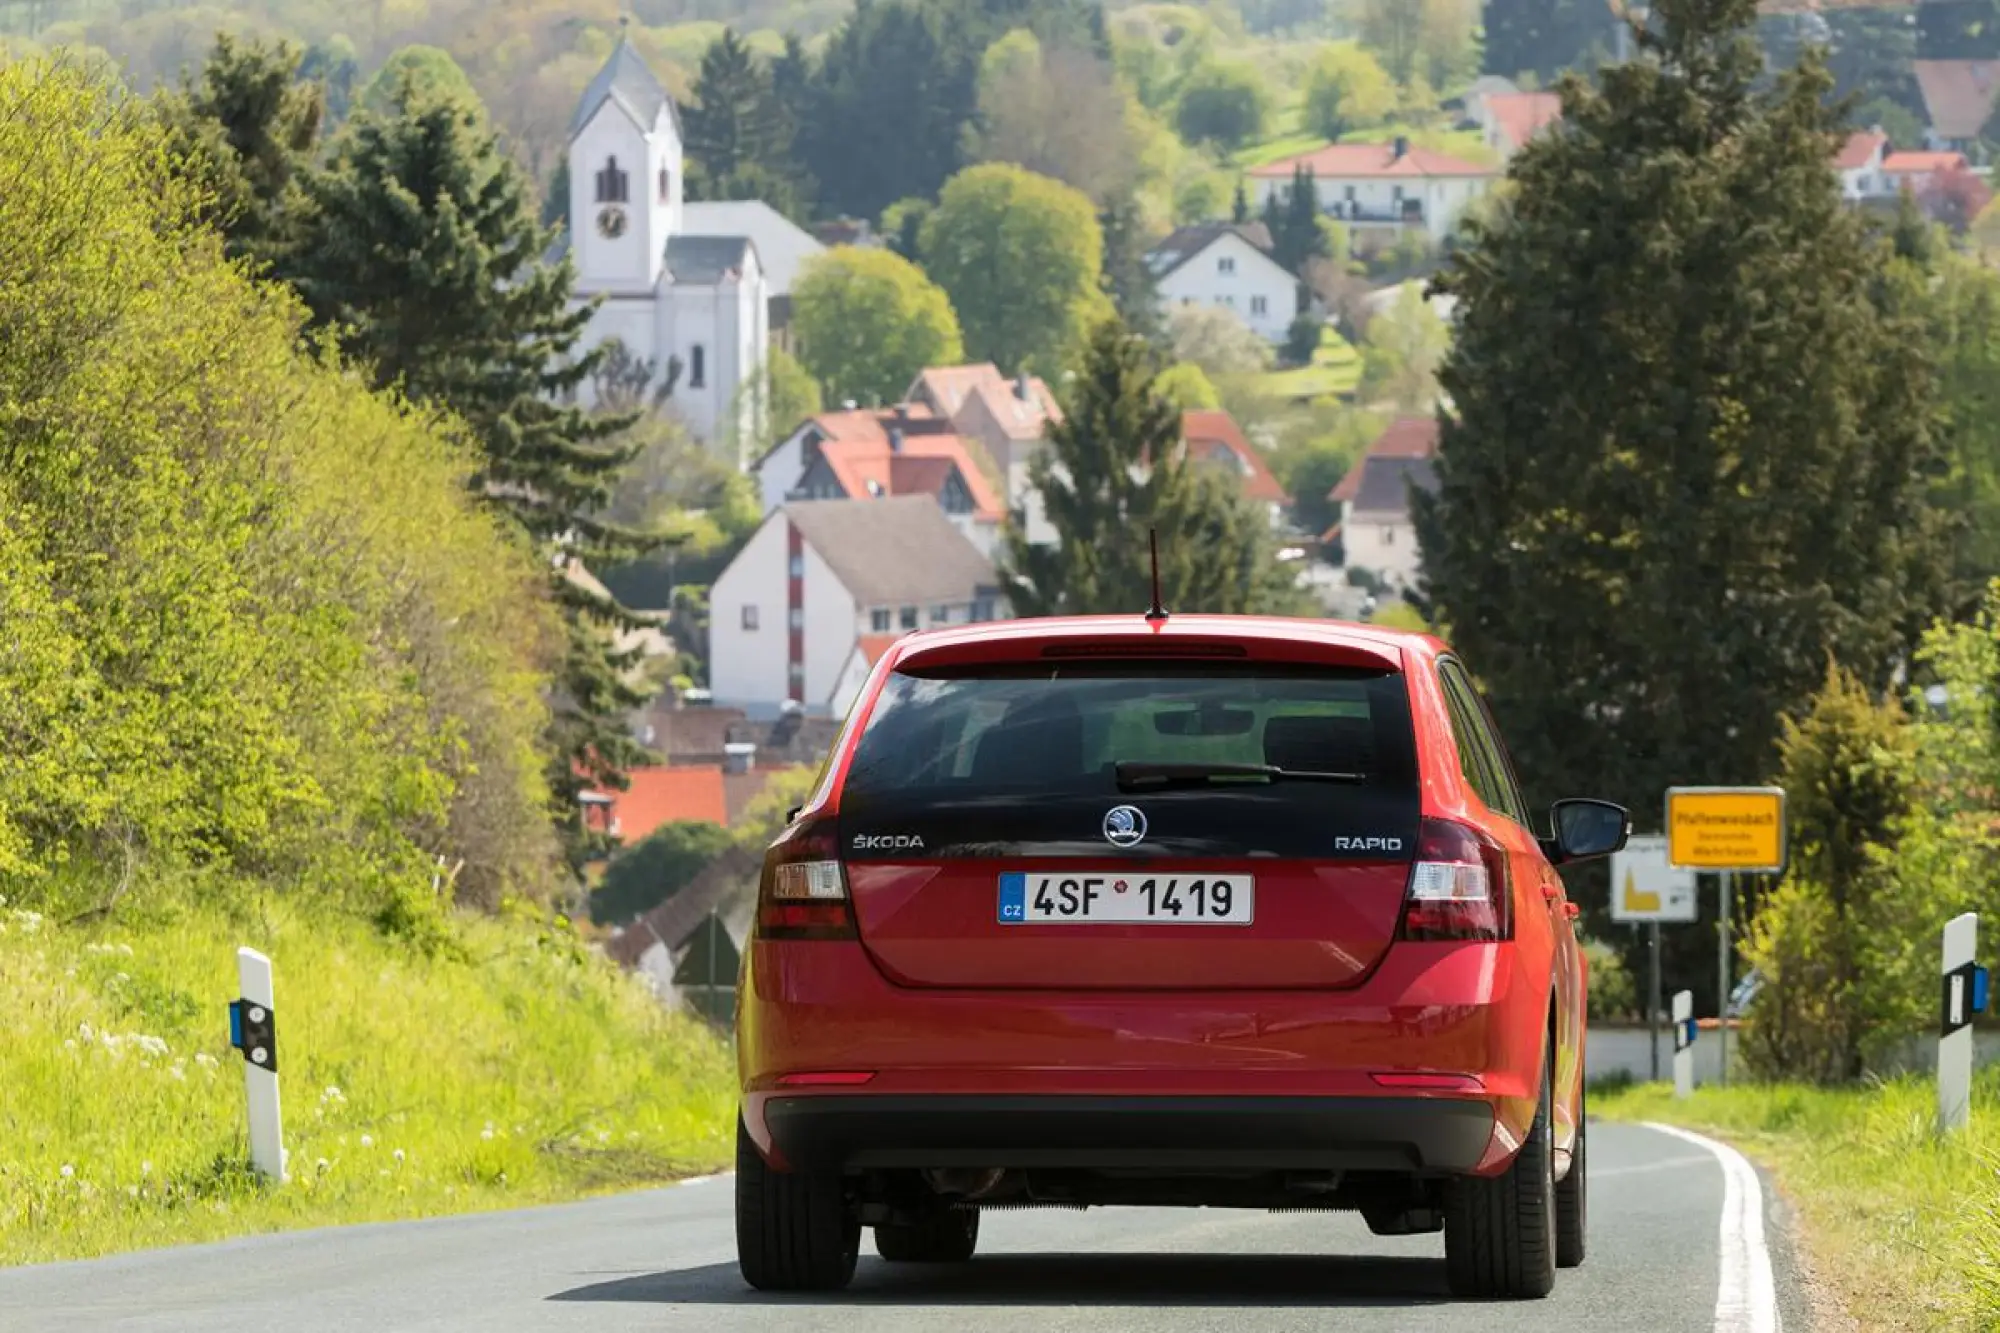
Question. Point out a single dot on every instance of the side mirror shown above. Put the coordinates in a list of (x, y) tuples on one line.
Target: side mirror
[(1587, 829)]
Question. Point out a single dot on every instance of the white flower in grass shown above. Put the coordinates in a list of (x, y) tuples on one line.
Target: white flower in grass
[(85, 1031), (398, 1154), (68, 1172), (178, 1072), (145, 1168), (323, 1166), (205, 1060), (69, 1043), (367, 1140), (486, 1134), (155, 1046), (132, 1190)]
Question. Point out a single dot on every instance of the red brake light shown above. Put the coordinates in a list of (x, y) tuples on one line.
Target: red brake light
[(1458, 887), (803, 892)]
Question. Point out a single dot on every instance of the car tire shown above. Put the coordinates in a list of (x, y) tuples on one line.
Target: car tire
[(1572, 1194), (794, 1229), (947, 1237), (1500, 1232)]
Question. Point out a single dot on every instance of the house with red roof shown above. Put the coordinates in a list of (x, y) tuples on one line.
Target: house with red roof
[(1859, 165), (1380, 190), (867, 455), (1510, 119), (1214, 439), (1008, 418)]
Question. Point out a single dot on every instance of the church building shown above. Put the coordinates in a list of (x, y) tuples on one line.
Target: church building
[(667, 294)]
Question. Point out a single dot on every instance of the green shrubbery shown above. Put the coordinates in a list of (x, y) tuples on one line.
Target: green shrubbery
[(254, 617), (1892, 834)]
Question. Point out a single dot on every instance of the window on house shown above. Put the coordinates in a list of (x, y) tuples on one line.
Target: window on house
[(1388, 534), (797, 568), (940, 615), (749, 617), (909, 617), (879, 620), (982, 610), (1348, 194), (1225, 266), (697, 366), (797, 672), (613, 185), (1258, 305), (666, 185), (798, 617)]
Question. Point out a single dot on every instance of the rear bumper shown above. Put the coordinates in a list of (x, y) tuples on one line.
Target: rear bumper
[(1157, 1134)]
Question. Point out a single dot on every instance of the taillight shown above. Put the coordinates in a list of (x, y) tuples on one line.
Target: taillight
[(803, 894), (1458, 887)]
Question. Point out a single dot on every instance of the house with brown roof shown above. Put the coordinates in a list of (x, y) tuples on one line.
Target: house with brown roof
[(904, 450), (1958, 100), (1227, 264), (1373, 522), (1381, 190), (820, 576)]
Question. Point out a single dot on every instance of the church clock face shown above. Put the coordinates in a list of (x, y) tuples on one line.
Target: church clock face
[(611, 223)]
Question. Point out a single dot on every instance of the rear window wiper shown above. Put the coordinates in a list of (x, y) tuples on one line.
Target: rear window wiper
[(1138, 776)]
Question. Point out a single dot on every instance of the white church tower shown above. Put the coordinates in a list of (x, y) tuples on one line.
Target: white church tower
[(702, 300)]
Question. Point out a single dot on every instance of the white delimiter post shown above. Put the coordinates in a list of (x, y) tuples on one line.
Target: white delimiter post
[(1683, 1048), (1961, 947), (267, 1135)]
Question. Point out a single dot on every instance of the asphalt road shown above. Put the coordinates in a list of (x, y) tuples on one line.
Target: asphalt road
[(1678, 1242)]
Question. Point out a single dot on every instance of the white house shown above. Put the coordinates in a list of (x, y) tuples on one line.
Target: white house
[(1005, 424), (1859, 166), (1228, 265), (1381, 189), (670, 292), (1373, 502), (822, 578)]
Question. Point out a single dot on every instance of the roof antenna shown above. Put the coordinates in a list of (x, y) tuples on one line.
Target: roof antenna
[(1155, 613)]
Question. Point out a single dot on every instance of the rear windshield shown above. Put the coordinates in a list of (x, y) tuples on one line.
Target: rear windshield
[(1004, 762)]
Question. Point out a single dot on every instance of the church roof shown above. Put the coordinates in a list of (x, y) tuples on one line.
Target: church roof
[(703, 261), (628, 80), (782, 245)]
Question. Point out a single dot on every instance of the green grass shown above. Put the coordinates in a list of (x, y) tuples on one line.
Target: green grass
[(1335, 371), (1275, 150), (1903, 1226), (520, 1068)]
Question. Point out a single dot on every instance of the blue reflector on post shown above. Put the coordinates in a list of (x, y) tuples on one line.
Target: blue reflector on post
[(1977, 1003), (236, 1024)]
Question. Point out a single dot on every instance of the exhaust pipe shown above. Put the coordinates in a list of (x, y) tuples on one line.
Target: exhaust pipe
[(964, 1184)]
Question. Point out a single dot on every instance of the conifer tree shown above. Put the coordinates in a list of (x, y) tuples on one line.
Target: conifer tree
[(421, 249), (1689, 452), (1115, 466)]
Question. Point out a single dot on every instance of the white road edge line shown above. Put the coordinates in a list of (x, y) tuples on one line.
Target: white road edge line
[(1746, 1299), (703, 1180)]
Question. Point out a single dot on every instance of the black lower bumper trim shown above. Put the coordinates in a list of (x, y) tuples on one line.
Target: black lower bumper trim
[(1164, 1134)]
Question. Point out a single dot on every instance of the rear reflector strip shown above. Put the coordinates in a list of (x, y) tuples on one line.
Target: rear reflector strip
[(838, 1079), (1430, 1082), (1145, 648)]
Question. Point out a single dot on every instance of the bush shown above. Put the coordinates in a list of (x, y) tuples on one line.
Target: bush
[(655, 868), (1302, 339), (1848, 773), (1613, 996)]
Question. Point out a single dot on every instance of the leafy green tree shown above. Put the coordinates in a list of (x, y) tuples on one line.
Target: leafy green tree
[(421, 251), (413, 76), (1965, 330), (243, 130), (1115, 466), (647, 873), (1347, 90), (1710, 465), (736, 129), (1058, 112), (1187, 386), (1021, 256), (867, 321), (1400, 357), (1222, 103)]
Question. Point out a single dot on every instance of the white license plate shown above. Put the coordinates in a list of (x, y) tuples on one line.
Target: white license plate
[(1092, 897)]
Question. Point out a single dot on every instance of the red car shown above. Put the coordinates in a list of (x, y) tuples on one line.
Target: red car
[(1183, 911)]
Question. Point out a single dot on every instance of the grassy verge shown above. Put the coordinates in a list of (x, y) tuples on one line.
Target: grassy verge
[(516, 1067), (1903, 1225)]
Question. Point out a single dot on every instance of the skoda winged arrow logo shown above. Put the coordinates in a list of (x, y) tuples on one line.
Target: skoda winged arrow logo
[(1124, 825)]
